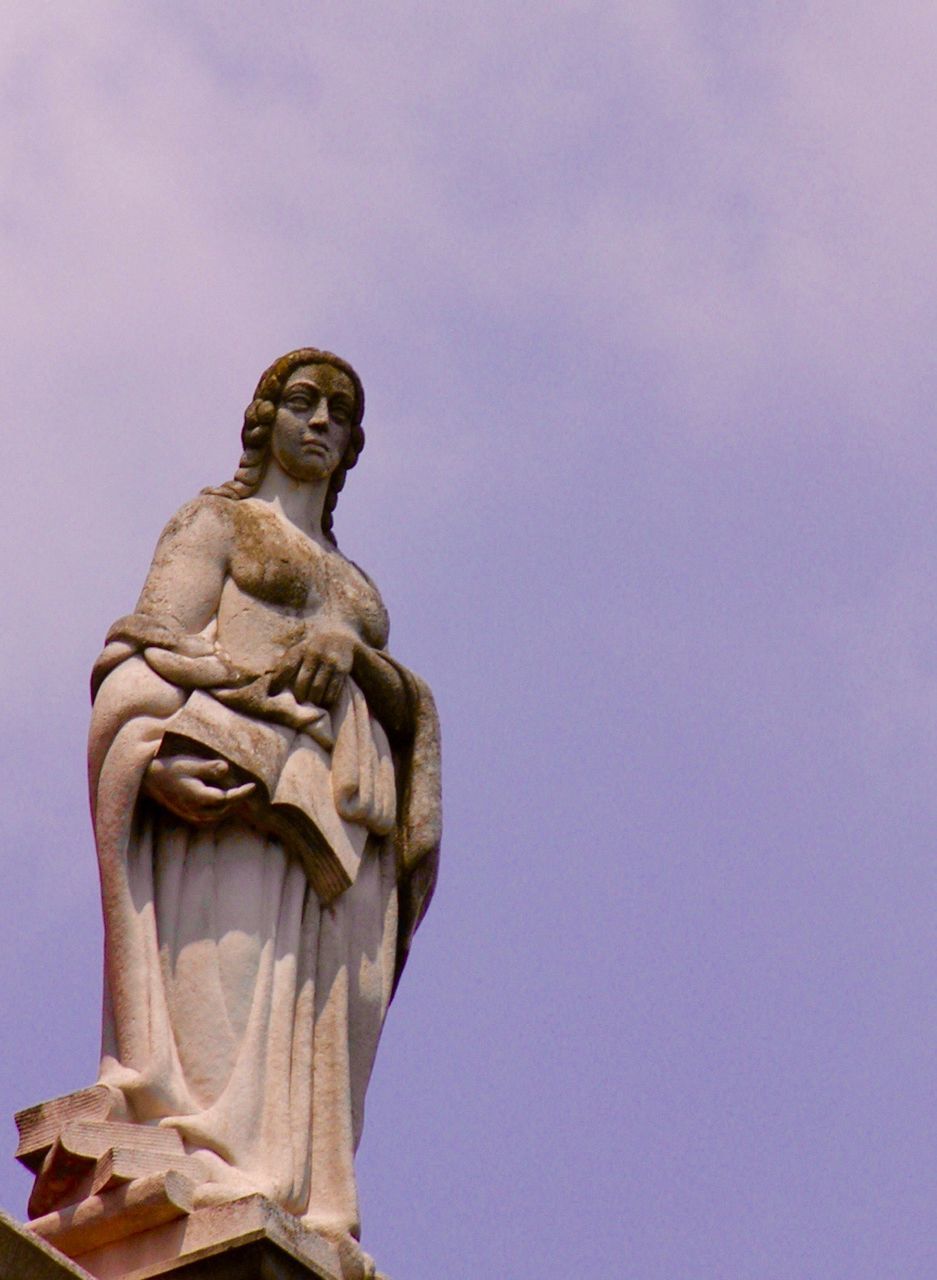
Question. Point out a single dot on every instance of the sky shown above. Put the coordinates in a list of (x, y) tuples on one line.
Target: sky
[(642, 295)]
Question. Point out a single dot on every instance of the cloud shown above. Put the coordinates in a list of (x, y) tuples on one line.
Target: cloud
[(620, 174), (642, 296)]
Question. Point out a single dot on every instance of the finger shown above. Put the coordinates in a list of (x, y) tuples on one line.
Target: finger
[(216, 771), (200, 793), (334, 689), (187, 761), (234, 794), (278, 681), (320, 683), (308, 673), (285, 671)]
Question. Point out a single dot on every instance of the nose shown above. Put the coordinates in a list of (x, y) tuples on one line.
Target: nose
[(320, 416)]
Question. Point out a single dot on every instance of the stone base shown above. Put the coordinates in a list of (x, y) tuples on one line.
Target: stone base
[(248, 1239), (23, 1256), (118, 1199)]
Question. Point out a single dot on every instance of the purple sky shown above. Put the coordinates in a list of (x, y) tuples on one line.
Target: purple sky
[(642, 294)]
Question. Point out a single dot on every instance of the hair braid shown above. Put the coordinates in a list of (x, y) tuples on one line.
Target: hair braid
[(259, 417)]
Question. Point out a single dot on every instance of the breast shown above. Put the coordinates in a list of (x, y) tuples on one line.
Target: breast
[(278, 579), (272, 563)]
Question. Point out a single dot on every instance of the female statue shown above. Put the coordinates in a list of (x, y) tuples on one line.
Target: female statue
[(242, 1007)]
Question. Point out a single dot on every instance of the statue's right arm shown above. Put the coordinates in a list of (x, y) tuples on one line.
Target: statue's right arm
[(183, 586), (179, 599)]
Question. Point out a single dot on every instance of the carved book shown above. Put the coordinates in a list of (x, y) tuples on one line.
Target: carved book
[(294, 798)]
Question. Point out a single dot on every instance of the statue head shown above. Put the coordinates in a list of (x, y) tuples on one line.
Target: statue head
[(260, 415)]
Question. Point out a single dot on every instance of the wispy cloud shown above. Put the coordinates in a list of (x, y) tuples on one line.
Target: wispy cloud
[(642, 295)]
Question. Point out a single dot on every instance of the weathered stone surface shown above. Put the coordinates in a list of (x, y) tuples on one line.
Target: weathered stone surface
[(90, 1157), (99, 1220), (95, 1139), (41, 1124), (265, 795), (23, 1256), (247, 1238)]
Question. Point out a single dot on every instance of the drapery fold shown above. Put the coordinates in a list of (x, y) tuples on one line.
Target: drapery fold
[(238, 1009)]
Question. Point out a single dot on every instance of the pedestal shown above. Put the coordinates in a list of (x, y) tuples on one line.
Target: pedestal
[(115, 1201), (248, 1239), (23, 1256)]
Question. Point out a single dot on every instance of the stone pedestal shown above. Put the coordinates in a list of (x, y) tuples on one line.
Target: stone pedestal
[(115, 1201), (248, 1239), (23, 1256)]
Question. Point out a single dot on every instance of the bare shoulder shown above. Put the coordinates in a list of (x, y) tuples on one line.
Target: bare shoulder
[(205, 519)]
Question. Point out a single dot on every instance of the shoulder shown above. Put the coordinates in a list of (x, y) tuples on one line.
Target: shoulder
[(207, 517), (201, 530), (189, 563)]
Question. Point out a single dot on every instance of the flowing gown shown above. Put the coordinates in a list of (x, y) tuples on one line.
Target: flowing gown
[(238, 1008)]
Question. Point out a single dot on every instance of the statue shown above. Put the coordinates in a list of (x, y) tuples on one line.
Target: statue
[(265, 795)]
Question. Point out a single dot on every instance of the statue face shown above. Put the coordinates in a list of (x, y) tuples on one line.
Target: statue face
[(313, 422)]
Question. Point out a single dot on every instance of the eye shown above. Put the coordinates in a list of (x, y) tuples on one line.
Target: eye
[(341, 413), (297, 401)]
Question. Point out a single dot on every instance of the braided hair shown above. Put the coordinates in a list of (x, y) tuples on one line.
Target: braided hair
[(260, 415)]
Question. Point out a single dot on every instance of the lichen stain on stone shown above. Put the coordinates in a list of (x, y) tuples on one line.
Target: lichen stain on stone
[(267, 562)]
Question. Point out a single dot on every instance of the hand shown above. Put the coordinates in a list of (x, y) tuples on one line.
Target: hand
[(317, 666), (196, 789)]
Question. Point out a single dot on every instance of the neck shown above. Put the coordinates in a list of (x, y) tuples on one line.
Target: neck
[(300, 501)]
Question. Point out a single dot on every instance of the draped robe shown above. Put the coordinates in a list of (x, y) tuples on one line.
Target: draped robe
[(238, 1009)]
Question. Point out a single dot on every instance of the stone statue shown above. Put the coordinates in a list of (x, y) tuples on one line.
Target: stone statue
[(265, 794)]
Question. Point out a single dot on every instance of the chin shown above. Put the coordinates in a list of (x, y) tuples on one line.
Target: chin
[(310, 472)]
